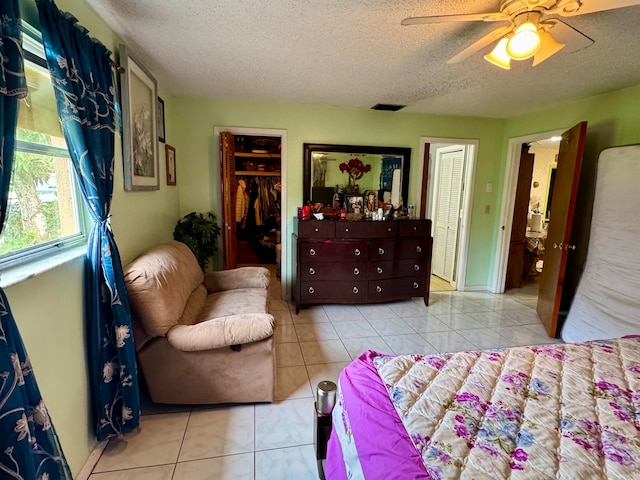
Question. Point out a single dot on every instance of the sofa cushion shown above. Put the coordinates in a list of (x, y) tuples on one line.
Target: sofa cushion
[(222, 332), (159, 284), (235, 302), (241, 277)]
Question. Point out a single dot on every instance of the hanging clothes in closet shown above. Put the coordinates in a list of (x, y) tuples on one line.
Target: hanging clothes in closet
[(257, 201)]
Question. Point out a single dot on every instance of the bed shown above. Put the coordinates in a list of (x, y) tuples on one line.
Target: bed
[(560, 411)]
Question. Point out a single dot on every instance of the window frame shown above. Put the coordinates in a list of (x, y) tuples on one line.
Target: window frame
[(35, 55)]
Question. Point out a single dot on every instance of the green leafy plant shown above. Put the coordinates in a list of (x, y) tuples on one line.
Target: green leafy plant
[(200, 233)]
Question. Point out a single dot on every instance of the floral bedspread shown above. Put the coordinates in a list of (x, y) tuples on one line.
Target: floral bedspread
[(562, 411)]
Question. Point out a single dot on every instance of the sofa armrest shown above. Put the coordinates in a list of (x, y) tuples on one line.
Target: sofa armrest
[(241, 277), (222, 332)]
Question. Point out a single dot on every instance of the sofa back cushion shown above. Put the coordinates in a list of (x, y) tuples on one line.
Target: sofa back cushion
[(159, 284)]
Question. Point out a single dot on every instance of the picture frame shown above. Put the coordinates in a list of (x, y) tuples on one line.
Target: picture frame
[(355, 203), (161, 132), (370, 202), (139, 125), (170, 155)]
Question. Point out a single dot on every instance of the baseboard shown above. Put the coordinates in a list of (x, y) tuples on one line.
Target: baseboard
[(94, 456), (475, 288)]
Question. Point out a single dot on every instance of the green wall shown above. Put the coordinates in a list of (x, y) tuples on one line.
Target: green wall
[(196, 118)]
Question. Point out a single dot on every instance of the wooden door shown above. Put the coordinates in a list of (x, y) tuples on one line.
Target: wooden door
[(228, 168), (515, 263), (557, 244), (449, 169), (425, 183)]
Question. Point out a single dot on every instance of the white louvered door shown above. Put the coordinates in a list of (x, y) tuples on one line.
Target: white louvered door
[(449, 171)]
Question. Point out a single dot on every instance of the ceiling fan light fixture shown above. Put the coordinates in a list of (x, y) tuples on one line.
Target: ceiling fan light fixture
[(548, 46), (499, 55), (524, 43)]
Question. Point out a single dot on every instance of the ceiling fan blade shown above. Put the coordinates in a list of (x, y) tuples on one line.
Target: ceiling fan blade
[(566, 34), (480, 44), (472, 17), (570, 8)]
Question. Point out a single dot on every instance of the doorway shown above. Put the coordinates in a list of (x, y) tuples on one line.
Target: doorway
[(448, 172), (531, 212), (515, 148), (256, 160), (559, 231)]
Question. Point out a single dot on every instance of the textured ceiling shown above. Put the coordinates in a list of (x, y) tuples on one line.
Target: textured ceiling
[(355, 53)]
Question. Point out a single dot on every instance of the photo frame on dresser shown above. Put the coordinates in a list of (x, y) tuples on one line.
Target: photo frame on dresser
[(370, 202), (355, 204)]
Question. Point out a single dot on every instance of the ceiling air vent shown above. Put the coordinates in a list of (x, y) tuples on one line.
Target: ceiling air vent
[(387, 106)]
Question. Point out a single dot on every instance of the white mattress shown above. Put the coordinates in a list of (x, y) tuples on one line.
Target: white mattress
[(607, 301)]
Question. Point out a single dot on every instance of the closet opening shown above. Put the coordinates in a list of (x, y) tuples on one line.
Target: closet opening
[(251, 162)]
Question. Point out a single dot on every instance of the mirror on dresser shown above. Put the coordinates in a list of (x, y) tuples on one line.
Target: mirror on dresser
[(384, 170)]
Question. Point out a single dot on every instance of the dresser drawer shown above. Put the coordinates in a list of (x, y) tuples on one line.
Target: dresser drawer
[(333, 292), (395, 288), (396, 249), (351, 271), (421, 228), (316, 228), (400, 268), (364, 229), (329, 251)]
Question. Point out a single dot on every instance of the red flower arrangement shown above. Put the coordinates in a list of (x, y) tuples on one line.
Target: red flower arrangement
[(355, 168)]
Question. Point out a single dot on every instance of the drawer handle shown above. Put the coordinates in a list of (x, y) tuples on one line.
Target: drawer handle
[(312, 290), (316, 229), (381, 250), (346, 229), (418, 249), (416, 267), (379, 270), (312, 270), (312, 252), (357, 252), (355, 290), (415, 285), (415, 228), (356, 271), (378, 288), (389, 229)]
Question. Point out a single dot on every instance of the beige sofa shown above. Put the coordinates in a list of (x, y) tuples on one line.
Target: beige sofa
[(201, 338)]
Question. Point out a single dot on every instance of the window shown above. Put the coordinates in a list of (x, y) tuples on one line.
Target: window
[(44, 214)]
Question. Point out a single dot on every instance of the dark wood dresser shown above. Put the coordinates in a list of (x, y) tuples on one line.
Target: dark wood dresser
[(355, 262)]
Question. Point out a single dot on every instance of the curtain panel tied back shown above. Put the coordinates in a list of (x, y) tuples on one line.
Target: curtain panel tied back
[(83, 83), (29, 446)]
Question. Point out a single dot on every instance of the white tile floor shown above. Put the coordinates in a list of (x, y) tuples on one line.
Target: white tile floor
[(275, 441)]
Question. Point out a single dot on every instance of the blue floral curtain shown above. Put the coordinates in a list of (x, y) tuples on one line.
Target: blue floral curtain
[(81, 75), (29, 447)]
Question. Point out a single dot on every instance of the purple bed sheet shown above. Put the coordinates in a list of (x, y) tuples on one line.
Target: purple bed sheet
[(383, 444)]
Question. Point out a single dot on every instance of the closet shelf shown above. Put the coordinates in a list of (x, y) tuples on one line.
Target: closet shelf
[(257, 173), (257, 155)]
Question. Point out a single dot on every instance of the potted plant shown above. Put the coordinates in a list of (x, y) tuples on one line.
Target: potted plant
[(200, 233)]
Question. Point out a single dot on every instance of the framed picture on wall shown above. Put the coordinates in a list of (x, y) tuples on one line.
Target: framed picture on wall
[(139, 126), (161, 133), (170, 154)]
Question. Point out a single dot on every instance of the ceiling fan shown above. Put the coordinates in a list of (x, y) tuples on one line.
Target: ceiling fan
[(533, 31)]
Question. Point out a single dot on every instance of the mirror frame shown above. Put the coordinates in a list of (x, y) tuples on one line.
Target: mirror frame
[(309, 148)]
